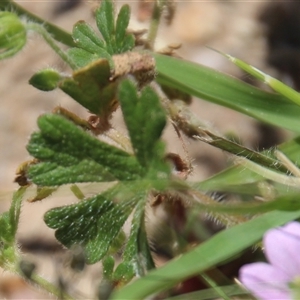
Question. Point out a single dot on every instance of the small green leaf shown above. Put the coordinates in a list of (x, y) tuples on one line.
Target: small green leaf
[(105, 23), (68, 154), (137, 251), (128, 44), (145, 120), (93, 223), (9, 222), (108, 264), (124, 272), (13, 35), (86, 38), (15, 209), (46, 80), (121, 25), (91, 46)]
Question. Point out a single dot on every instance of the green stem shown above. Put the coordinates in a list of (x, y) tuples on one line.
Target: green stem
[(51, 42), (155, 19), (193, 128), (49, 287), (58, 34), (213, 285)]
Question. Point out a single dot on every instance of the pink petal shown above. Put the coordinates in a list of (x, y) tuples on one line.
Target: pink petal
[(265, 281), (282, 247)]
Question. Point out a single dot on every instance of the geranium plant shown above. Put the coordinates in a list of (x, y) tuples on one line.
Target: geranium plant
[(115, 68)]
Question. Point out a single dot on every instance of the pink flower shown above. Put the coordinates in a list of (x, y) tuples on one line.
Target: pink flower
[(280, 278)]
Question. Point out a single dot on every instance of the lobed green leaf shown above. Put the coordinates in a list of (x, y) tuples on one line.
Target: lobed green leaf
[(68, 155), (86, 38), (145, 120), (137, 251), (105, 23), (121, 26), (93, 223)]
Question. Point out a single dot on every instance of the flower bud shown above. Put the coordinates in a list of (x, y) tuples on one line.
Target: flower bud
[(45, 80), (12, 34)]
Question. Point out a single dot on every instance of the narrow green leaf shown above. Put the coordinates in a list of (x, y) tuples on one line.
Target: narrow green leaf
[(210, 282), (214, 251), (105, 23), (108, 264), (15, 209), (128, 44), (225, 90), (275, 84), (9, 222), (91, 46), (121, 25), (137, 251), (68, 155), (238, 179), (124, 273), (208, 294), (145, 120), (86, 38), (288, 202)]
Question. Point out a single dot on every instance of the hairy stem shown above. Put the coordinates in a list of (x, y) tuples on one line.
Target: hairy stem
[(49, 287), (193, 128), (58, 34), (155, 19), (51, 42)]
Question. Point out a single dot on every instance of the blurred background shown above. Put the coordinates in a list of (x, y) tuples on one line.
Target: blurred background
[(264, 34)]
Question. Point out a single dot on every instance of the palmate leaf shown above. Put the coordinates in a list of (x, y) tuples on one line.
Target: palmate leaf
[(67, 154), (124, 41), (95, 222), (106, 23), (144, 128), (115, 40), (89, 45)]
